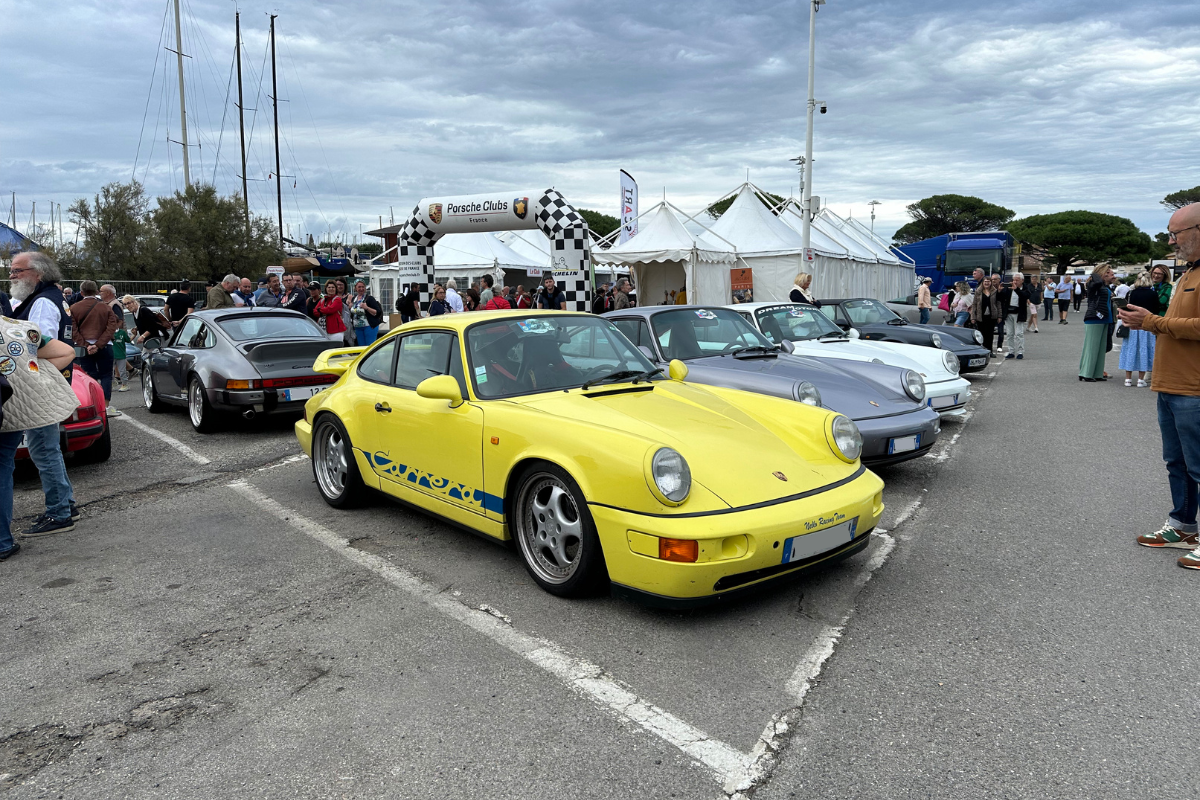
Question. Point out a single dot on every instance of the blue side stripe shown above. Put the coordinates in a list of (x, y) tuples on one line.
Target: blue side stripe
[(458, 493)]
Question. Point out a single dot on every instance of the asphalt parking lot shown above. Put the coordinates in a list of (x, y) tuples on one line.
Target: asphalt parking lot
[(212, 629)]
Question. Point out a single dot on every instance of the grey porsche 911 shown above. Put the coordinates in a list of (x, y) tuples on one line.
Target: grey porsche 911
[(247, 361)]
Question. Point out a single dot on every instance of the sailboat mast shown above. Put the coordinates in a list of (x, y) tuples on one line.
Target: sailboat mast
[(237, 26), (275, 106), (187, 176)]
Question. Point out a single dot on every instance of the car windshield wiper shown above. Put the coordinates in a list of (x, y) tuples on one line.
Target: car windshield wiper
[(897, 321), (755, 348), (834, 337), (635, 374)]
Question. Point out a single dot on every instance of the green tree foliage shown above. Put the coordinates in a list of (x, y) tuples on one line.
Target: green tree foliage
[(950, 213), (118, 237), (599, 224), (1069, 238), (1182, 198), (715, 210), (195, 233), (201, 234)]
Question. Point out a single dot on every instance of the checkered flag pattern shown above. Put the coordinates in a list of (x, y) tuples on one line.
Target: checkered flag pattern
[(570, 250), (425, 283), (415, 231)]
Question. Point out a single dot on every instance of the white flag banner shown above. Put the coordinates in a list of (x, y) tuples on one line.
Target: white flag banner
[(629, 207)]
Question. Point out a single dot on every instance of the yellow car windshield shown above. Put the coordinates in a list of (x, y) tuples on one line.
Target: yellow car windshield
[(529, 354)]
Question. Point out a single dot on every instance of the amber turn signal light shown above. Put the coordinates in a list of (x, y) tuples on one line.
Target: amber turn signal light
[(686, 550), (241, 384)]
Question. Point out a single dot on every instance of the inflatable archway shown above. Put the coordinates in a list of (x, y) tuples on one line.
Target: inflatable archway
[(547, 210)]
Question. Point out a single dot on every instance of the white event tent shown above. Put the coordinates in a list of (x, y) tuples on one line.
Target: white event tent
[(664, 256)]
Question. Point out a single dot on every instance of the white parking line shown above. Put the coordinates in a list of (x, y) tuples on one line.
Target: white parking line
[(171, 440), (726, 763)]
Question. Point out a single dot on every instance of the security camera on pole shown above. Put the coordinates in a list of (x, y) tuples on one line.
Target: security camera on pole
[(806, 226)]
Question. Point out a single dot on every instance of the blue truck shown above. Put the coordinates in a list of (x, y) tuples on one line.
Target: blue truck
[(953, 257)]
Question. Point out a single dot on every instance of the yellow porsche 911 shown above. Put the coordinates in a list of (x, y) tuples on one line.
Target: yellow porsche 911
[(553, 430)]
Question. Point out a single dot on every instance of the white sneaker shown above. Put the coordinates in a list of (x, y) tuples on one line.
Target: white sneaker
[(114, 412), (124, 388), (1143, 384), (1128, 382)]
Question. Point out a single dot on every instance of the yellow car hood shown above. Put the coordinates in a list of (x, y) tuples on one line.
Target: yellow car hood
[(729, 449)]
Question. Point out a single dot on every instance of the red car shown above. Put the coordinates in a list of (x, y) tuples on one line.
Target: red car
[(87, 433)]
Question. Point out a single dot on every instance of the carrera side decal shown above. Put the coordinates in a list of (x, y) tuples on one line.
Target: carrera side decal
[(457, 493)]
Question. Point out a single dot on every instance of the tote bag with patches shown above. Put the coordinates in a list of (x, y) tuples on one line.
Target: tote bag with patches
[(41, 395)]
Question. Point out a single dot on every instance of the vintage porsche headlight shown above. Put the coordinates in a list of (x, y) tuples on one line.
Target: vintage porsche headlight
[(846, 437), (935, 339), (807, 393), (914, 385), (978, 337), (671, 475), (951, 362)]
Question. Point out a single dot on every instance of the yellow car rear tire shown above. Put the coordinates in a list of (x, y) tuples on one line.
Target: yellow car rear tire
[(334, 465), (555, 533)]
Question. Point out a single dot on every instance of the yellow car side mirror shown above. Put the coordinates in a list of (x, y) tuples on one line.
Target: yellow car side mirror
[(677, 370), (441, 387)]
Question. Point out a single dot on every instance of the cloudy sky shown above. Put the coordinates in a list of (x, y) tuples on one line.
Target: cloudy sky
[(1039, 107)]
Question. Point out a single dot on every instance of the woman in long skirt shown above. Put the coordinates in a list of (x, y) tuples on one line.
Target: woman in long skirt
[(1096, 322), (1137, 354)]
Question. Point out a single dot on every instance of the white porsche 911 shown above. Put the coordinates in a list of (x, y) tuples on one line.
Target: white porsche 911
[(813, 334)]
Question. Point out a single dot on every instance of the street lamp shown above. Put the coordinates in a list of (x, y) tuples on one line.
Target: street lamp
[(806, 226), (872, 204)]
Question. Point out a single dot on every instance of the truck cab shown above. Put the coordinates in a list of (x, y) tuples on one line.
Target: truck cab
[(954, 257)]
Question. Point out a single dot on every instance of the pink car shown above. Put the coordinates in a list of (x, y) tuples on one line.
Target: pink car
[(87, 433)]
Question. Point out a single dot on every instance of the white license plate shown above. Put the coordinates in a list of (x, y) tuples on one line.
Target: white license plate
[(808, 545), (942, 402), (303, 393), (903, 444), (977, 362)]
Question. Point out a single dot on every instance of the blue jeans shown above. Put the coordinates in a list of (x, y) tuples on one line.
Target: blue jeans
[(100, 367), (8, 453), (1179, 423), (366, 336), (924, 316), (960, 319), (46, 453)]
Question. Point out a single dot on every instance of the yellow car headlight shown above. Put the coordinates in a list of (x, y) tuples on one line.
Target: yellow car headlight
[(844, 438), (668, 476)]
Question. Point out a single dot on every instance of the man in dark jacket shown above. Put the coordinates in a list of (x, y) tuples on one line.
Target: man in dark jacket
[(1014, 307)]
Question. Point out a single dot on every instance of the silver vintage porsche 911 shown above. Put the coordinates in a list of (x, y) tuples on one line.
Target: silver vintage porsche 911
[(247, 361)]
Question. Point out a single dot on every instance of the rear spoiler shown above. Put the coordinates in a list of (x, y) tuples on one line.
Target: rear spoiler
[(336, 362)]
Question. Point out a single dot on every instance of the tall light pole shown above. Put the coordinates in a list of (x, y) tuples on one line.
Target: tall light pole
[(872, 204), (806, 227)]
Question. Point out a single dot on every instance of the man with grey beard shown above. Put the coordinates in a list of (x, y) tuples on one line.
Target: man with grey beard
[(35, 278)]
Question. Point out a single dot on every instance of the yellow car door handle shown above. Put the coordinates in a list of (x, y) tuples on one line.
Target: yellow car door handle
[(383, 408)]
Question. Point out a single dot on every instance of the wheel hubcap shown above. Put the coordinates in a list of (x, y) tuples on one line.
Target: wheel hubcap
[(330, 462), (196, 404), (147, 391), (550, 528)]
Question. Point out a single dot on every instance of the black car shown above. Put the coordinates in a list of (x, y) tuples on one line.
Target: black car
[(874, 321)]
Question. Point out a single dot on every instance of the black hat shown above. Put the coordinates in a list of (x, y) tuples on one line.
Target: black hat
[(314, 285), (263, 281)]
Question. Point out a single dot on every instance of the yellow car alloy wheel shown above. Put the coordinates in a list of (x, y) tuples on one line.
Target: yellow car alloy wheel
[(555, 533), (333, 464)]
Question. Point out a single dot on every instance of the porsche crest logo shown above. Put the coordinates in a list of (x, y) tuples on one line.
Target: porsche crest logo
[(781, 476), (435, 213), (521, 207)]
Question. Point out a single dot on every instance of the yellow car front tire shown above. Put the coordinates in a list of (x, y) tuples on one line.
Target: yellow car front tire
[(555, 533)]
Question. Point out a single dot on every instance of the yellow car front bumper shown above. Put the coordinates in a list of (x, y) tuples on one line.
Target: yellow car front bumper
[(738, 548)]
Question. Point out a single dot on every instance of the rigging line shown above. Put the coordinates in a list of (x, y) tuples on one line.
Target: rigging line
[(254, 117), (150, 92), (296, 162), (224, 114), (158, 117), (332, 177)]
